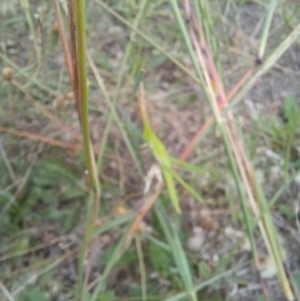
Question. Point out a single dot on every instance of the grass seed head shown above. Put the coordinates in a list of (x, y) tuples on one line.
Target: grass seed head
[(7, 73)]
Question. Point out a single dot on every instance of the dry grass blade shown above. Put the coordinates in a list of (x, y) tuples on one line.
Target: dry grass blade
[(64, 41), (35, 248), (40, 138), (73, 48)]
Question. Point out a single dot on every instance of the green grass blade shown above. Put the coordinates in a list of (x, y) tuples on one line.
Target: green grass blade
[(276, 252), (266, 66), (158, 243), (142, 267), (115, 256), (171, 189), (186, 37), (186, 166), (116, 117), (176, 249), (199, 287), (120, 79), (114, 223), (204, 15), (264, 37), (185, 185), (291, 135), (282, 189)]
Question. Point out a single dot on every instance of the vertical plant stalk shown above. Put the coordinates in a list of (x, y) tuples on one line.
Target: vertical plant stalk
[(80, 86), (83, 93)]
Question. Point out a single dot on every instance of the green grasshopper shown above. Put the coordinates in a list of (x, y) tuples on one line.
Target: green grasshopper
[(159, 151), (161, 154)]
